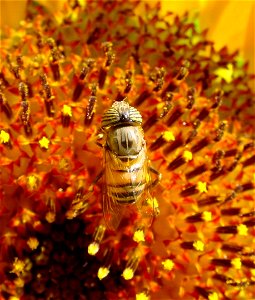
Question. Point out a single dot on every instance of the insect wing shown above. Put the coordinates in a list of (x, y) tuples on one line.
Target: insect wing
[(112, 210), (145, 203)]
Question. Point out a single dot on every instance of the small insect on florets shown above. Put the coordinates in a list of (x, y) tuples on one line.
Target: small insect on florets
[(126, 173)]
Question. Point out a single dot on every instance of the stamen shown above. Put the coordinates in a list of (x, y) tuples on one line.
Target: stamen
[(233, 229), (48, 97), (234, 211), (207, 294), (143, 96), (200, 145), (200, 217), (168, 264), (142, 296), (131, 265), (44, 143), (208, 201), (193, 245), (174, 145), (25, 109), (220, 131), (197, 171), (66, 115), (102, 272), (5, 138), (18, 267), (191, 97), (109, 58), (87, 66), (183, 71), (105, 269), (139, 235), (217, 98), (129, 81), (167, 136), (3, 81), (158, 78), (90, 109), (174, 116), (33, 243), (5, 107), (15, 70), (93, 247), (249, 161), (32, 182), (54, 59)]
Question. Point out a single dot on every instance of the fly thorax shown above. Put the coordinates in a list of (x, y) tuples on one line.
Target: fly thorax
[(126, 141)]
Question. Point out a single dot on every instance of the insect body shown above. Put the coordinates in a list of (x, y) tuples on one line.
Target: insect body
[(126, 167)]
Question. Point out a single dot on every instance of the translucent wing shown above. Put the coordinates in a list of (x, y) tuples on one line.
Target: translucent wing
[(146, 203), (112, 210)]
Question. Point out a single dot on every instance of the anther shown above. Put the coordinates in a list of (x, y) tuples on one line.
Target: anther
[(5, 107), (66, 115), (217, 98), (104, 270), (25, 108), (129, 81), (109, 58), (54, 59), (87, 66), (131, 265), (5, 138), (176, 114), (220, 131), (193, 245), (191, 97), (197, 171), (94, 246), (48, 97), (90, 109)]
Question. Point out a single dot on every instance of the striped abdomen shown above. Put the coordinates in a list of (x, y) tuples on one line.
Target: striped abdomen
[(126, 182)]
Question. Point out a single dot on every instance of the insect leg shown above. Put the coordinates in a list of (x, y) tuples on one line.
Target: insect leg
[(157, 180)]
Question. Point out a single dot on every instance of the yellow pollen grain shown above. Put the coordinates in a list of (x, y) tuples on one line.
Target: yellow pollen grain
[(236, 263), (148, 178), (50, 217), (242, 229), (67, 110), (32, 182), (18, 266), (33, 243), (128, 274), (139, 236), (168, 264), (102, 272), (4, 137), (168, 136), (44, 143), (199, 246), (187, 155), (202, 187), (141, 296), (213, 296), (19, 282), (93, 248), (207, 216)]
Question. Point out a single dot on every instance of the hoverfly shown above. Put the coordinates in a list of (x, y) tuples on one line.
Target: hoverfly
[(126, 171)]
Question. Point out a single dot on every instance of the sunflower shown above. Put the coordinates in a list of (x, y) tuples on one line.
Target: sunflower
[(61, 70)]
